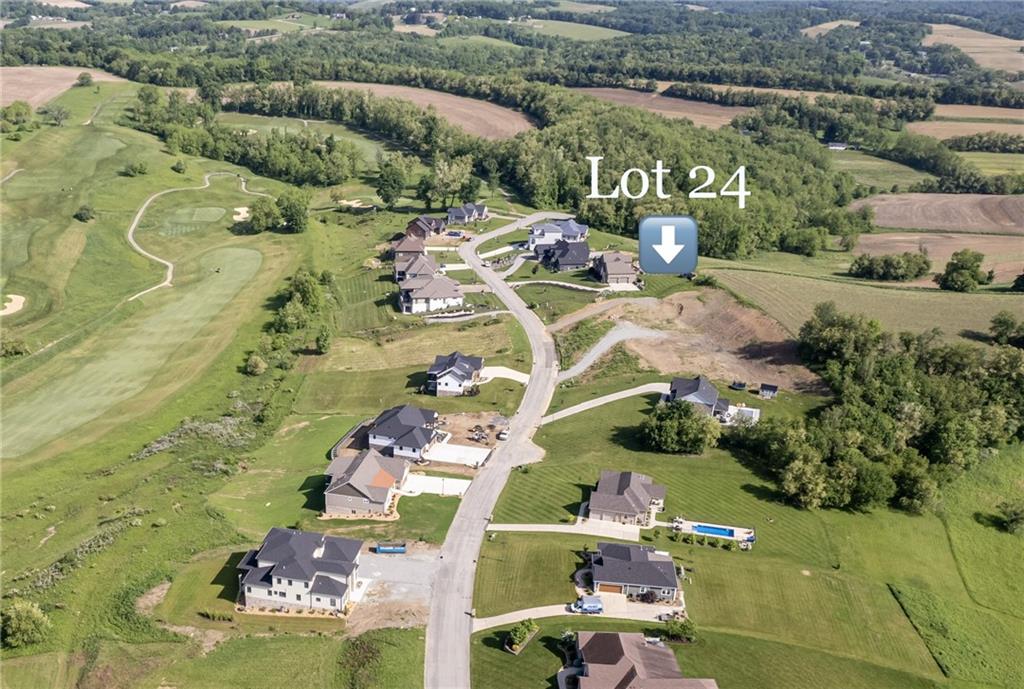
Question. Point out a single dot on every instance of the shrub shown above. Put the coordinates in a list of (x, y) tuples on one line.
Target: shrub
[(806, 241), (23, 624), (963, 273), (255, 365), (85, 213), (1011, 514), (84, 79), (179, 167), (217, 616), (681, 630), (705, 280), (905, 266), (135, 169), (520, 633)]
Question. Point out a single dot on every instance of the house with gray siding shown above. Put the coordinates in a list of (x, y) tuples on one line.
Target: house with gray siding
[(634, 570), (299, 570), (364, 484)]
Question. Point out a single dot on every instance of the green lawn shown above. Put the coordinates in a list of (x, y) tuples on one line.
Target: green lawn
[(995, 163), (876, 172), (397, 661), (551, 302), (573, 343), (736, 661), (517, 570)]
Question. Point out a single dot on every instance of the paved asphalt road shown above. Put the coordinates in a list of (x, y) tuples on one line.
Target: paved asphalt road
[(450, 624)]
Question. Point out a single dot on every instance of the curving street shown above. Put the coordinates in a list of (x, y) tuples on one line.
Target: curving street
[(451, 624)]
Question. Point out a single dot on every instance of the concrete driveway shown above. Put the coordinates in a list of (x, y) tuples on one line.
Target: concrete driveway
[(623, 330), (647, 389), (490, 372), (452, 453), (418, 484)]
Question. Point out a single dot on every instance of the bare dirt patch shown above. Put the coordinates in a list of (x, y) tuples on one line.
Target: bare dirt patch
[(39, 85), (1003, 254), (147, 602), (988, 50), (824, 28), (942, 129), (70, 4), (701, 114), (712, 333), (370, 615), (477, 117), (948, 212), (461, 427)]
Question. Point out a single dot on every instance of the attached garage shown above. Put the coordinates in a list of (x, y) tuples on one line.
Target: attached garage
[(609, 588)]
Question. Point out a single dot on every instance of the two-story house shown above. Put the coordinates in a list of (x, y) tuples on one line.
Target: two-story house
[(364, 484), (453, 374), (404, 431), (545, 234), (299, 570), (626, 497)]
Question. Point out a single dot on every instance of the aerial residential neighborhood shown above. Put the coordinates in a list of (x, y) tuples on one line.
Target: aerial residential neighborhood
[(597, 344)]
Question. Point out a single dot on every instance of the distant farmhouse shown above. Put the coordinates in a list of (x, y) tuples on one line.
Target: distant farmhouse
[(364, 484), (563, 255), (544, 235), (424, 226), (618, 660), (704, 396), (467, 213), (635, 570), (299, 570), (626, 497), (404, 431), (454, 374), (614, 268)]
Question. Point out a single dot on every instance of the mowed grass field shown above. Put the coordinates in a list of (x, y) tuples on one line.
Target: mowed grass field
[(790, 299), (995, 163), (573, 30), (876, 172)]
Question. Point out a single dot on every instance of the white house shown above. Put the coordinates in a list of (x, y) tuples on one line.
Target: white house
[(426, 293), (299, 570), (454, 374), (545, 234), (404, 431)]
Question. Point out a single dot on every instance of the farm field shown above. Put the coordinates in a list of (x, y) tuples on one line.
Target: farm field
[(877, 172), (579, 32), (945, 129), (1003, 254), (701, 114), (455, 41), (583, 7), (477, 117), (977, 112), (988, 50), (68, 4), (824, 28), (948, 212), (995, 163), (790, 299), (39, 85)]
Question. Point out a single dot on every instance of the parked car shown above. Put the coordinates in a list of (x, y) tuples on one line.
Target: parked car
[(588, 605), (503, 434)]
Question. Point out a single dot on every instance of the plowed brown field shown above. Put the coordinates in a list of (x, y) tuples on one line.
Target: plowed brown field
[(948, 212), (40, 85), (701, 114)]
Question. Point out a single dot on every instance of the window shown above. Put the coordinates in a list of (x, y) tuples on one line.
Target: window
[(318, 599), (305, 584), (289, 582), (333, 604), (298, 596), (279, 580), (248, 589)]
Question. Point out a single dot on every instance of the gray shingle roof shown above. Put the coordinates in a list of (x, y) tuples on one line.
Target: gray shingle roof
[(568, 253), (369, 474), (625, 492), (407, 424), (636, 565), (326, 586), (299, 555), (458, 364), (416, 265), (430, 287), (698, 390), (617, 263), (426, 224)]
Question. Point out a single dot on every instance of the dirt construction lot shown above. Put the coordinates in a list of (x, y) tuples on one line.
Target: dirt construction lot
[(701, 114), (948, 212), (1004, 255), (988, 50), (474, 116), (39, 85), (712, 333)]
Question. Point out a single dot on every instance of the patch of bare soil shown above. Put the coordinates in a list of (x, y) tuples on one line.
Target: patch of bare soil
[(710, 333), (942, 129), (370, 614), (39, 85), (988, 50), (474, 116), (948, 212), (147, 602), (1003, 254), (700, 113), (463, 427)]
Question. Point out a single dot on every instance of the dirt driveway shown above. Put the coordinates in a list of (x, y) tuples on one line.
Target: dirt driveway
[(398, 593), (710, 333)]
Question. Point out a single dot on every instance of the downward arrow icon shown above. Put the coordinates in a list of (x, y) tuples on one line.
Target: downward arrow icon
[(668, 249)]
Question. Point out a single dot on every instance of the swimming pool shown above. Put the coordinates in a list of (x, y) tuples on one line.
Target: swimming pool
[(714, 530)]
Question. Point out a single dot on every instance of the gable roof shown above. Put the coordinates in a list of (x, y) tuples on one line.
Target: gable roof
[(626, 492), (565, 229), (636, 565), (408, 244), (568, 253), (457, 364), (698, 390), (407, 424), (426, 224), (369, 474), (299, 555), (616, 660), (617, 263), (431, 287), (417, 265)]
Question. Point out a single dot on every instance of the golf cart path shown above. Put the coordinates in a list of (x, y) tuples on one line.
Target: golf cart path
[(623, 330), (647, 389), (450, 624), (12, 173), (169, 273)]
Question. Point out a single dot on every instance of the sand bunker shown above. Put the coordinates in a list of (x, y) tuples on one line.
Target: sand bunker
[(13, 304), (241, 213)]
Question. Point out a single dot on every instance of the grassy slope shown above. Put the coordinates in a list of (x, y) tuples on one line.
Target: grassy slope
[(995, 163), (579, 32), (878, 172)]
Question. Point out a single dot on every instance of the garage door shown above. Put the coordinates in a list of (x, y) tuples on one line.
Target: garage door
[(609, 588)]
